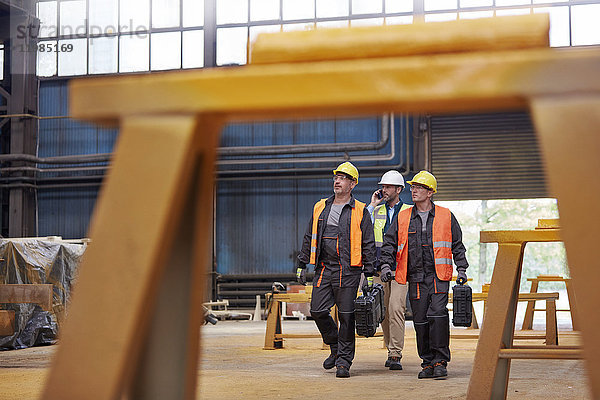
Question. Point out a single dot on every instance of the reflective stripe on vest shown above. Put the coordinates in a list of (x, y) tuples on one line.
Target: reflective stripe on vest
[(442, 244), (317, 210), (380, 214), (355, 232)]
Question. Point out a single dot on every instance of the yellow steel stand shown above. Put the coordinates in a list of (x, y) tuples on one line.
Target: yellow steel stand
[(154, 211)]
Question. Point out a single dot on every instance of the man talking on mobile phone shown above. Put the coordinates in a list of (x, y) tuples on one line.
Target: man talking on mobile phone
[(385, 205)]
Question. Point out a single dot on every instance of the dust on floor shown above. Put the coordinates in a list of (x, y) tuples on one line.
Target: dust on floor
[(234, 366)]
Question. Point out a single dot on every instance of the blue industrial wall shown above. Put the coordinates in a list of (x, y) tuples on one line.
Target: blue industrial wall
[(259, 221), (66, 211)]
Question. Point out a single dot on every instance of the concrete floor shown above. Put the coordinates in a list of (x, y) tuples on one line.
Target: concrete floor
[(234, 366)]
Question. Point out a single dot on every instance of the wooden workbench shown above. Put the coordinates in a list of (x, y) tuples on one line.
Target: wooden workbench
[(169, 129), (528, 318), (495, 349)]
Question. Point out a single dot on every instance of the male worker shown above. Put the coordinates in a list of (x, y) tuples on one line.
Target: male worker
[(339, 243), (421, 242), (382, 215)]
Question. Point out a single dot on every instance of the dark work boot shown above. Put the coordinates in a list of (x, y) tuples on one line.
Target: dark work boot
[(439, 371), (388, 361), (395, 364), (427, 372), (330, 361), (342, 372)]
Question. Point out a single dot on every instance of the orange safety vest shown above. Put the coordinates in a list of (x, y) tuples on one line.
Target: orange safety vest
[(442, 244), (355, 232)]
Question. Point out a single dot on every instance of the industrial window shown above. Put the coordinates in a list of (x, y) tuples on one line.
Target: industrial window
[(584, 19), (79, 37), (432, 5)]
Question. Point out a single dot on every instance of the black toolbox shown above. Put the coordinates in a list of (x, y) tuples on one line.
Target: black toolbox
[(462, 305), (369, 311)]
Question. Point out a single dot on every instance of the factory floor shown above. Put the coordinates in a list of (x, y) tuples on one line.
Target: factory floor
[(234, 366)]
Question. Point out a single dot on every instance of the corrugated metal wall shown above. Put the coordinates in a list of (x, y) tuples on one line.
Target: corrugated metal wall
[(260, 222), (66, 211), (486, 156)]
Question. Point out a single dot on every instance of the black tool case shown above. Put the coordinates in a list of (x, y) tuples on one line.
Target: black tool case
[(462, 305), (369, 311)]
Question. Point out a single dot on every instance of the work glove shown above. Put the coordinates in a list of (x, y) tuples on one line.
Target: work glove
[(301, 275), (386, 273), (367, 285), (462, 276)]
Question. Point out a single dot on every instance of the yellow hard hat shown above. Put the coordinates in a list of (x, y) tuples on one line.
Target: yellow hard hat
[(348, 169), (426, 179)]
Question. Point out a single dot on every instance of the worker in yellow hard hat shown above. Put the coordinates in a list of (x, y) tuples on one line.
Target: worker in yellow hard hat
[(421, 243), (339, 243)]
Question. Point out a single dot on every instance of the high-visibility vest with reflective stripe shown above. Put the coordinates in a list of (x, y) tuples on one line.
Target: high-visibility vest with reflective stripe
[(442, 244), (380, 214), (355, 232)]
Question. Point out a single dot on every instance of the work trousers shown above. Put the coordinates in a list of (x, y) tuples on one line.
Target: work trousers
[(323, 298), (395, 307), (428, 300)]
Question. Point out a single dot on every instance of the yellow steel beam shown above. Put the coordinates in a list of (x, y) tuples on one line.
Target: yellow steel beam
[(504, 33), (546, 235), (436, 83)]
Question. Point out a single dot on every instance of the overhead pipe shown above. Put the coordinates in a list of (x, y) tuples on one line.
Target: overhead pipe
[(385, 132), (54, 170), (34, 116), (57, 186), (51, 179), (290, 173), (311, 148), (346, 157), (231, 151), (79, 159), (319, 172), (270, 150)]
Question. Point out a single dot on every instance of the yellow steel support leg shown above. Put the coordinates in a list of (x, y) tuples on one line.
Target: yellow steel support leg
[(568, 127), (142, 271), (528, 319), (572, 305), (273, 326), (489, 378), (551, 325)]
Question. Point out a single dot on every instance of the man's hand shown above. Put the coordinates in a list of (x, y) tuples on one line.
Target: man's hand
[(301, 275), (462, 276), (375, 200), (386, 273), (367, 285)]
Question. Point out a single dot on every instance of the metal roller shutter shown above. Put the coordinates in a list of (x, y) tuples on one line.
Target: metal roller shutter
[(486, 156)]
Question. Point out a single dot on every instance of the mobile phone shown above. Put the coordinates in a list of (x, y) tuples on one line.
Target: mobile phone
[(379, 194)]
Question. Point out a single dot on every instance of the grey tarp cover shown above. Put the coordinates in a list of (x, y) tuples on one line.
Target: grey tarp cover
[(37, 261)]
